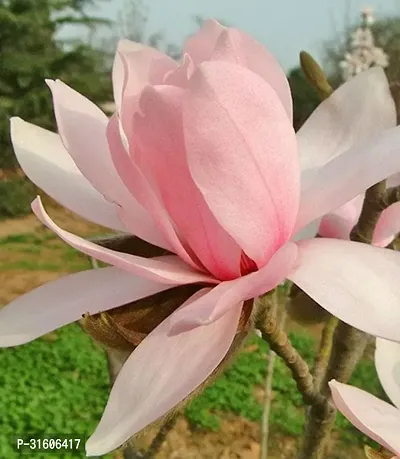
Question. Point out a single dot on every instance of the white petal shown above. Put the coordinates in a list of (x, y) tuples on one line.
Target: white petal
[(356, 282), (329, 187), (168, 269), (372, 416), (163, 370), (387, 363), (65, 300), (47, 163), (359, 109)]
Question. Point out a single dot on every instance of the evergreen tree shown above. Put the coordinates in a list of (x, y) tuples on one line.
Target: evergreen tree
[(31, 51)]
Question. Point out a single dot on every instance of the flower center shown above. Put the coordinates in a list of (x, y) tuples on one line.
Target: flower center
[(247, 265)]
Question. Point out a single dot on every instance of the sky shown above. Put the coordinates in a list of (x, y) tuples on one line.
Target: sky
[(285, 26)]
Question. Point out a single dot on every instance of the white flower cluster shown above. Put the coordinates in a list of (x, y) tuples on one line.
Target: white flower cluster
[(363, 53)]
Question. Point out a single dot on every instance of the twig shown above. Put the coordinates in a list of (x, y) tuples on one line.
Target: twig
[(348, 343), (94, 263), (279, 343), (391, 196), (372, 208), (324, 351), (268, 394), (160, 437), (349, 346)]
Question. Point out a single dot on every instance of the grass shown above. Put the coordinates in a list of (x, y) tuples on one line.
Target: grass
[(61, 386), (234, 392)]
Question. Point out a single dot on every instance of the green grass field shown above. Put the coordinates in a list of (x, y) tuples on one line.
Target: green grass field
[(59, 383)]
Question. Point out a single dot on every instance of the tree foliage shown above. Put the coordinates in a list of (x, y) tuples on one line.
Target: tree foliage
[(386, 33), (31, 51), (305, 98)]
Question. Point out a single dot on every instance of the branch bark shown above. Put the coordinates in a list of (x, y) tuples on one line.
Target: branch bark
[(268, 394), (279, 343), (324, 351), (348, 343)]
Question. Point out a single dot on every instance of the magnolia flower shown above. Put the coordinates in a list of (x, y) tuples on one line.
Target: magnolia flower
[(363, 53), (375, 418), (367, 14), (201, 159), (340, 222), (362, 38)]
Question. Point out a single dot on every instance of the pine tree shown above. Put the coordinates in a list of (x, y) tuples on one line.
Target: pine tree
[(31, 51)]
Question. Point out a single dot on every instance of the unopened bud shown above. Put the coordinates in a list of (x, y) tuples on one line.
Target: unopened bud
[(125, 327), (315, 75)]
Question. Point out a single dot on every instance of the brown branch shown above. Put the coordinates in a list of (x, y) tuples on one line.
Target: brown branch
[(391, 196), (348, 348), (370, 213), (268, 394), (279, 343), (324, 351), (158, 440), (348, 343)]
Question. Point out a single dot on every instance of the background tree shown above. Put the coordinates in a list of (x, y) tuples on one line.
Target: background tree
[(386, 33), (305, 98), (31, 51)]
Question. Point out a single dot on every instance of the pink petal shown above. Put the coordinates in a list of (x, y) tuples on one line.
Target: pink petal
[(330, 186), (357, 110), (200, 46), (339, 223), (180, 76), (374, 417), (125, 47), (159, 135), (242, 155), (227, 294), (239, 48), (388, 226), (65, 300), (47, 163), (82, 126), (136, 66), (167, 269), (387, 363), (162, 371), (146, 195), (356, 282)]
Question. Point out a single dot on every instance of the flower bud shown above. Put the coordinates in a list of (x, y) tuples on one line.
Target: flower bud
[(315, 75)]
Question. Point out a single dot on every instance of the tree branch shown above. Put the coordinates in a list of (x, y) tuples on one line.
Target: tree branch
[(324, 351), (279, 343), (348, 343), (268, 394)]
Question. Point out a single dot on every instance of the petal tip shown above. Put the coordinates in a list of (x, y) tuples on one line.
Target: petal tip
[(50, 83)]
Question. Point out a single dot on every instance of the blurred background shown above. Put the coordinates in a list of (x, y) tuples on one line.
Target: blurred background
[(60, 382)]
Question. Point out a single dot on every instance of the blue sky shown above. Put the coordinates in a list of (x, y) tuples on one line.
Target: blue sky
[(284, 26)]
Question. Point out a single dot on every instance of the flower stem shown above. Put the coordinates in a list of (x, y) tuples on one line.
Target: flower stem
[(160, 437), (324, 352), (279, 343), (268, 394)]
